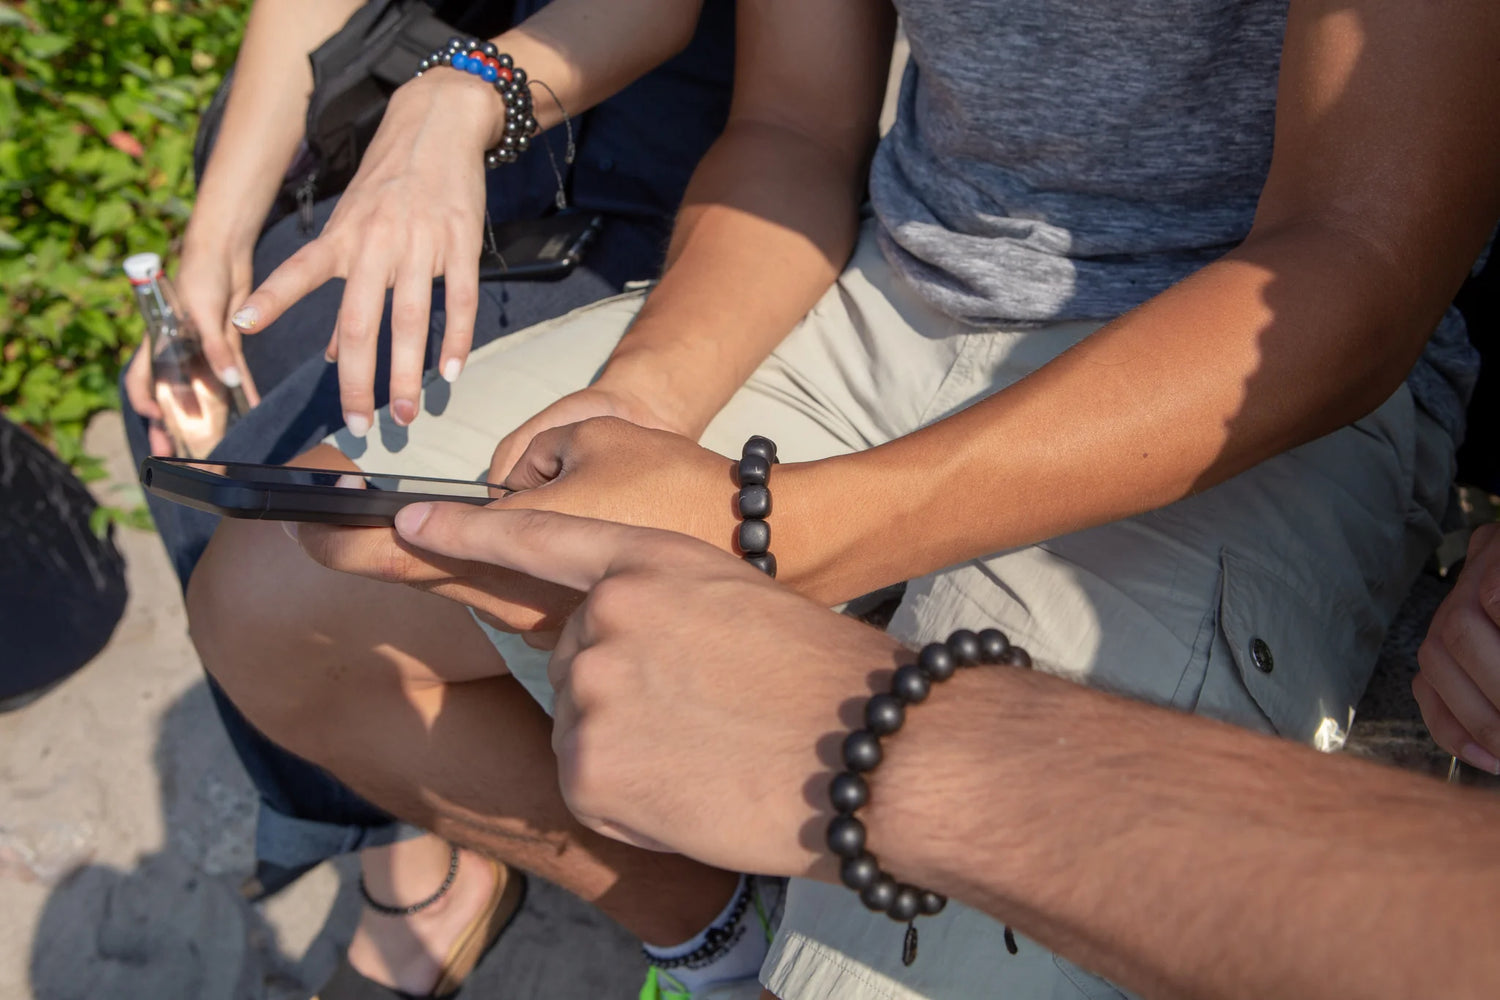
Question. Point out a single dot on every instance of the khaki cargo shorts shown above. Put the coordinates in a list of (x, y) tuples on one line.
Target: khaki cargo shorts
[(1262, 601)]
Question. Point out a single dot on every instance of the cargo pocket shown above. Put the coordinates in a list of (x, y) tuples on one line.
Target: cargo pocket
[(1303, 659)]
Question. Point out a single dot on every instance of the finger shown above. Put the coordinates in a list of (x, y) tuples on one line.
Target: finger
[(1447, 732), (1484, 557), (575, 552), (331, 352), (139, 385), (237, 354), (541, 639), (1461, 695), (460, 302), (370, 552), (358, 332), (216, 346), (158, 440), (542, 461), (411, 306), (302, 272), (1468, 635)]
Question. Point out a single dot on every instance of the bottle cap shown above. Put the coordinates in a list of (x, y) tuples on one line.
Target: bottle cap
[(141, 268)]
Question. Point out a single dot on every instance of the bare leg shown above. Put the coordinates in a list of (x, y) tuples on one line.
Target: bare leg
[(353, 674), (407, 952)]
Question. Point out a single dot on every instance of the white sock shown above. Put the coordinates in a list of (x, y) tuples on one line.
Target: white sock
[(739, 954)]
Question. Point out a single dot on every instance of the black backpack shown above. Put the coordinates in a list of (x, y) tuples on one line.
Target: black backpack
[(354, 73)]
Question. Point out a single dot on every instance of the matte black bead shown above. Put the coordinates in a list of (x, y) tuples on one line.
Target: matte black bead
[(907, 904), (846, 836), (965, 647), (861, 750), (879, 894), (910, 684), (848, 792), (754, 471), (932, 903), (884, 714), (859, 872), (754, 536), (993, 644), (1015, 656), (755, 501), (936, 661), (765, 562), (762, 446)]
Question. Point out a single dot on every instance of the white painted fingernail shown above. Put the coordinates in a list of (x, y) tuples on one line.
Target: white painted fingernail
[(1478, 756), (451, 368), (358, 424), (231, 377), (246, 318)]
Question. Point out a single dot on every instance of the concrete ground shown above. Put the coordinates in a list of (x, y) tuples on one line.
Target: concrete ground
[(125, 831)]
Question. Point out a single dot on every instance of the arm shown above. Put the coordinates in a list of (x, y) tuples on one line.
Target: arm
[(415, 209), (263, 123), (1178, 856), (1382, 189), (771, 212), (1206, 862)]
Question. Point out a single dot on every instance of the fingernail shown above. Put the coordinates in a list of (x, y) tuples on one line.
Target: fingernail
[(1478, 756), (409, 520), (451, 368), (358, 424), (230, 377), (404, 410), (290, 527), (246, 318)]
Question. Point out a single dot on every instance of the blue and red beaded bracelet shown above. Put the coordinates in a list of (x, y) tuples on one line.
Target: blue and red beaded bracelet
[(482, 59)]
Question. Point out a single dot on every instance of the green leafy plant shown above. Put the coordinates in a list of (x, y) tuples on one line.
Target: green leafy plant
[(99, 103)]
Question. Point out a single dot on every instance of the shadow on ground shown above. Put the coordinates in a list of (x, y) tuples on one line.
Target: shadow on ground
[(176, 926)]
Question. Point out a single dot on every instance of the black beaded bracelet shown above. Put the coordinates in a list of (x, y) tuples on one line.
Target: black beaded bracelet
[(754, 503), (849, 792), (482, 59)]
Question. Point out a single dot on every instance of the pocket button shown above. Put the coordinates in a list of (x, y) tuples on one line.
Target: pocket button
[(1260, 655)]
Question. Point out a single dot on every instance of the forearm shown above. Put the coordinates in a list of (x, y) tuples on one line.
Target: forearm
[(1185, 858), (1286, 339), (263, 118), (766, 225)]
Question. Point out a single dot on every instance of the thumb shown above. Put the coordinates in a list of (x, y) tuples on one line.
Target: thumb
[(574, 552)]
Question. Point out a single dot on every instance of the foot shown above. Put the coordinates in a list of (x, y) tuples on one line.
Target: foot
[(407, 953)]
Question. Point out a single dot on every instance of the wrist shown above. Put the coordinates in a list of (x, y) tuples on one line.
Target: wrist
[(478, 106), (229, 232), (647, 380)]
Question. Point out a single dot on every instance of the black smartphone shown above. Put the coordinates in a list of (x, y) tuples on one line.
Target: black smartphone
[(280, 493), (546, 249)]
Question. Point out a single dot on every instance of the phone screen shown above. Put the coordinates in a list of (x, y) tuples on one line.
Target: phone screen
[(332, 479)]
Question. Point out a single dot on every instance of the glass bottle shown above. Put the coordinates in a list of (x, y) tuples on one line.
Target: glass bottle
[(196, 407)]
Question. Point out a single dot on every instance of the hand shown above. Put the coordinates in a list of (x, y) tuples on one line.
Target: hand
[(1458, 687), (597, 400), (698, 702), (605, 468), (415, 210), (211, 284)]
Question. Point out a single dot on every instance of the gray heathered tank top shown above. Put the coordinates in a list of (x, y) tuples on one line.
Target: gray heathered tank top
[(1069, 159)]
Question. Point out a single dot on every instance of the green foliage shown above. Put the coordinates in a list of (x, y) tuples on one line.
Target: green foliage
[(98, 106)]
